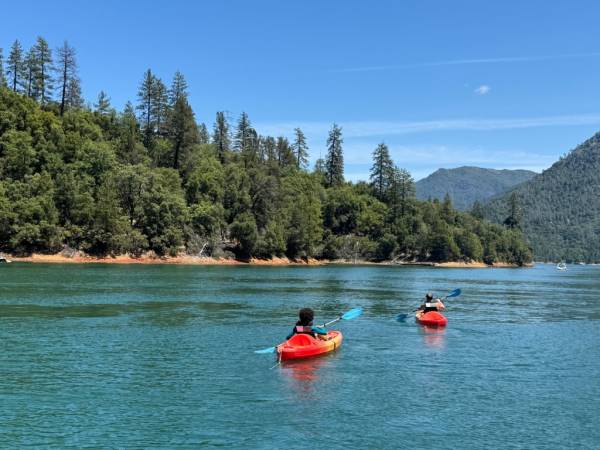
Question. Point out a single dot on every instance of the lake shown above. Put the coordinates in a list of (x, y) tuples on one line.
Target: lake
[(138, 356)]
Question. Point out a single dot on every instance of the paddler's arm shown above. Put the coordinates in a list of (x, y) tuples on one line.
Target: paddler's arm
[(319, 330)]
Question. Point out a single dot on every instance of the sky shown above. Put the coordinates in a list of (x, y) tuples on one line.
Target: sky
[(508, 84)]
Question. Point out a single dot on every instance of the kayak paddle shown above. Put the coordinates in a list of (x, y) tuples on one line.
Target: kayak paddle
[(352, 314), (454, 293)]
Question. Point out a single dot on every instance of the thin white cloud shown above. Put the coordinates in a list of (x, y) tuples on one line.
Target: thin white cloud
[(483, 89), (358, 129), (455, 62)]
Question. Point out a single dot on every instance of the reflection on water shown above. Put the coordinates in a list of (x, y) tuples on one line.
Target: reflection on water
[(433, 337), (302, 376)]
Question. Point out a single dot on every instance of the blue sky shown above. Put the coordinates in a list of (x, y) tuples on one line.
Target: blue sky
[(511, 84)]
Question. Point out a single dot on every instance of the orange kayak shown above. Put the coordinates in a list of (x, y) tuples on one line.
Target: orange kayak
[(306, 346), (432, 319)]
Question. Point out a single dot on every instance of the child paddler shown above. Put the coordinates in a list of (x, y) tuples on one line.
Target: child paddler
[(305, 325)]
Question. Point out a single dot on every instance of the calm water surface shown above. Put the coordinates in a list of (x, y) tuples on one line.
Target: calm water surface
[(162, 357)]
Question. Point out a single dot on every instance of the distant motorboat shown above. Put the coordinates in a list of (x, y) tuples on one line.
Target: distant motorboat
[(3, 260), (561, 266)]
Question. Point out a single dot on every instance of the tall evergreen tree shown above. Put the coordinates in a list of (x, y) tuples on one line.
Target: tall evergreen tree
[(285, 156), (242, 133), (268, 150), (102, 105), (160, 106), (67, 69), (178, 88), (184, 132), (29, 73), (221, 136), (300, 149), (334, 162), (15, 68), (401, 191), (3, 82), (145, 106), (515, 212), (130, 133), (43, 82), (73, 96), (203, 136), (382, 172)]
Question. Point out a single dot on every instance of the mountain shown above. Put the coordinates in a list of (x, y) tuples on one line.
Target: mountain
[(465, 185), (560, 207)]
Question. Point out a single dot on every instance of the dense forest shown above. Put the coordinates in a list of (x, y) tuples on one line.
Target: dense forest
[(467, 185), (152, 178), (560, 208)]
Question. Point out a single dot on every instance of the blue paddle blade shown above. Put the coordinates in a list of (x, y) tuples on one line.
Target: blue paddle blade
[(401, 317), (353, 313), (454, 293), (266, 350)]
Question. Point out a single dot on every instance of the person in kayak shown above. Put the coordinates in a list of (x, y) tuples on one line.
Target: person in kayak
[(305, 325), (430, 305)]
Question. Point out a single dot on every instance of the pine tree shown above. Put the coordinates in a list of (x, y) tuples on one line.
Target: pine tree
[(401, 191), (73, 96), (102, 105), (251, 148), (67, 69), (178, 88), (29, 73), (184, 132), (242, 133), (515, 212), (221, 136), (382, 171), (160, 106), (43, 83), (300, 149), (334, 162), (15, 68), (267, 150), (203, 136), (285, 156), (146, 106), (3, 82), (130, 132)]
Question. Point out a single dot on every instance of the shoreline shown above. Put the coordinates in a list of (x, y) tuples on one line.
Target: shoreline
[(80, 258)]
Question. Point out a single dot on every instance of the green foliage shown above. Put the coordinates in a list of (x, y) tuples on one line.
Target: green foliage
[(334, 162), (466, 185), (558, 210), (99, 182)]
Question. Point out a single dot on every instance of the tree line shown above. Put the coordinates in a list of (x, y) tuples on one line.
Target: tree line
[(153, 178)]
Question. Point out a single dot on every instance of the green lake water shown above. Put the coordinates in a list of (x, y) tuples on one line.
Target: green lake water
[(129, 356)]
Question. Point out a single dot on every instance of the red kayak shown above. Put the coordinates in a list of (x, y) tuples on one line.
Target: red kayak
[(432, 319), (306, 346)]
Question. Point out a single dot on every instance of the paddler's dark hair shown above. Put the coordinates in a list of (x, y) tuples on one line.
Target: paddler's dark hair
[(306, 316)]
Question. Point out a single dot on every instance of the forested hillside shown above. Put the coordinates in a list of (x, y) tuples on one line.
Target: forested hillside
[(466, 185), (152, 178), (560, 208)]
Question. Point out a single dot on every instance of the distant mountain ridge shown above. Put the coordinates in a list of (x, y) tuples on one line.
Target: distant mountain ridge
[(560, 207), (466, 184)]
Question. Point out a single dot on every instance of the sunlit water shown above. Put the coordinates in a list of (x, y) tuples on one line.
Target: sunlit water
[(135, 356)]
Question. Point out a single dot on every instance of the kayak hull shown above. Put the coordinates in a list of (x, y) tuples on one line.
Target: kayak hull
[(432, 319), (301, 346)]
